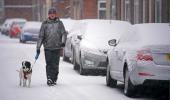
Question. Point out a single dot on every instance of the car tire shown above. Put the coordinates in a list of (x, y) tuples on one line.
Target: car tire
[(72, 56), (10, 36), (64, 57), (21, 40), (75, 65), (109, 81), (129, 88), (81, 69)]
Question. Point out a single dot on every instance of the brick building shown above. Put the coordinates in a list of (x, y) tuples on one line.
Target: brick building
[(84, 9), (63, 7), (28, 9), (139, 11), (1, 10)]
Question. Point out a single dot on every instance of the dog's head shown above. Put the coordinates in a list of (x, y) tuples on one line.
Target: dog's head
[(26, 66)]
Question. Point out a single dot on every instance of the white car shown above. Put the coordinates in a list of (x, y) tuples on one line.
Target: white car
[(91, 52), (73, 29), (140, 57), (30, 31), (8, 22)]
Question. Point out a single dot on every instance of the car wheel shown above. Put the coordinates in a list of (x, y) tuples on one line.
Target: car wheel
[(64, 57), (81, 69), (129, 88), (72, 56), (109, 81), (21, 40), (75, 65), (10, 36)]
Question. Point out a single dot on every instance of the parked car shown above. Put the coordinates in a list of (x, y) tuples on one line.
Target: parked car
[(16, 29), (91, 51), (70, 41), (68, 24), (140, 57), (30, 31), (6, 27)]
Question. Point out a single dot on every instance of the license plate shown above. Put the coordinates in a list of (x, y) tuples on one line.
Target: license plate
[(168, 57)]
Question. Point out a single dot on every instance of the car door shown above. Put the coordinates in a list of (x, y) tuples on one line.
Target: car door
[(77, 48), (117, 62)]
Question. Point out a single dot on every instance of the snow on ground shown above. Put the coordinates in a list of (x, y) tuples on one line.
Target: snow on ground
[(70, 84)]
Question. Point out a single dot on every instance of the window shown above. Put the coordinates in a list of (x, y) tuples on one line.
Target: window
[(102, 5), (101, 9), (136, 11), (127, 10), (158, 9), (113, 9), (144, 10)]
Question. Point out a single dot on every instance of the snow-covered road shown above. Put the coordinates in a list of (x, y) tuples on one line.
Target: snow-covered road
[(71, 85)]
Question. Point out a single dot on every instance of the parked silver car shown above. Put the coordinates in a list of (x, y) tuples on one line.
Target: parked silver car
[(140, 57), (67, 52), (30, 31), (91, 52), (8, 22)]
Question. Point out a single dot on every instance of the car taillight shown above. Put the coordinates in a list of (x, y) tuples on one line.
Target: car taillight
[(144, 55)]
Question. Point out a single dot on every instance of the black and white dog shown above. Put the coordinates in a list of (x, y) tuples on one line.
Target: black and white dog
[(25, 74)]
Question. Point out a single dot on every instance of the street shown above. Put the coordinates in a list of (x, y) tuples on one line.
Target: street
[(70, 85)]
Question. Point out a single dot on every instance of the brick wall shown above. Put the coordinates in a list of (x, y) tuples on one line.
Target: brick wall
[(18, 13), (62, 7), (89, 9), (28, 9), (83, 9), (18, 2)]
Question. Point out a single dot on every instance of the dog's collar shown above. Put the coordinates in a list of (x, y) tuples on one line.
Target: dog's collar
[(26, 73)]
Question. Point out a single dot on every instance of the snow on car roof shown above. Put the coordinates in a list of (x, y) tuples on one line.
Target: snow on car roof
[(99, 32), (100, 27), (32, 25), (154, 33), (68, 24)]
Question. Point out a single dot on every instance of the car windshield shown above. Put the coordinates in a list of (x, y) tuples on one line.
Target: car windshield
[(32, 27), (21, 24), (100, 33)]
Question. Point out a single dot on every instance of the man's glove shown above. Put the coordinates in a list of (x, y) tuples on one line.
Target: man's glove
[(37, 55), (62, 44)]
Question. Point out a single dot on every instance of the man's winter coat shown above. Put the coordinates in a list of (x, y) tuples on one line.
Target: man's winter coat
[(52, 34)]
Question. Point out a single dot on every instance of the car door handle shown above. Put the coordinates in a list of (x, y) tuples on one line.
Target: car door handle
[(116, 52)]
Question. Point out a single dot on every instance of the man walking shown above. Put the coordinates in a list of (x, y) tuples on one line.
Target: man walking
[(52, 36)]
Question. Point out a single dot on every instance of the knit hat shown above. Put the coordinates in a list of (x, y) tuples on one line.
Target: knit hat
[(52, 11)]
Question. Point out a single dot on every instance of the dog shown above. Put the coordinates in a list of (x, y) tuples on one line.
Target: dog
[(25, 74)]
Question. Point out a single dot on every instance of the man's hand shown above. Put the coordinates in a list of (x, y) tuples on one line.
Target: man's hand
[(37, 55), (62, 44)]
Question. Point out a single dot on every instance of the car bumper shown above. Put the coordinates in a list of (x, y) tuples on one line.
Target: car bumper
[(30, 38), (144, 72), (93, 61)]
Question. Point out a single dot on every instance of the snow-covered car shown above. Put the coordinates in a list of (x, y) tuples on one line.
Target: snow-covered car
[(16, 29), (9, 22), (30, 31), (140, 57), (69, 27), (91, 52), (71, 41)]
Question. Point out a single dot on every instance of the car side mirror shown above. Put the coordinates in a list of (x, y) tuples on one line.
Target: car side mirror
[(79, 37), (112, 42)]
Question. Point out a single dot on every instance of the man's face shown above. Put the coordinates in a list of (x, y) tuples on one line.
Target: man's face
[(52, 15)]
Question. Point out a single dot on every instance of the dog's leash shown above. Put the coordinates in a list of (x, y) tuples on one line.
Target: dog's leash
[(33, 64)]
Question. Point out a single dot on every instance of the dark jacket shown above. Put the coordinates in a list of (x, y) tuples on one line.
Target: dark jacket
[(52, 34)]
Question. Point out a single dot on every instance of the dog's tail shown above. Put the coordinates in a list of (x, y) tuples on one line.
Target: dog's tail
[(17, 70)]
